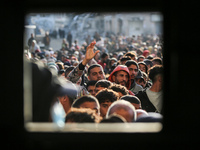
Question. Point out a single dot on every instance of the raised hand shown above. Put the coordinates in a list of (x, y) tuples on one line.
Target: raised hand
[(90, 53)]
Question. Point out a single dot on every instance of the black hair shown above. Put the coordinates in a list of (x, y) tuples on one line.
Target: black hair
[(103, 83), (131, 54), (141, 56), (157, 59), (154, 71), (81, 115), (91, 83), (107, 94), (144, 65), (119, 88), (114, 118), (148, 62), (93, 66), (104, 55), (131, 99), (81, 100), (131, 62), (124, 58)]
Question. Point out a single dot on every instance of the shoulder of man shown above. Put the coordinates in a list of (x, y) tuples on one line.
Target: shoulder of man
[(146, 104), (142, 93)]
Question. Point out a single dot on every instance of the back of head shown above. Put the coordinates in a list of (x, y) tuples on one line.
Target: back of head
[(131, 54), (151, 117), (81, 115), (91, 83), (104, 55), (131, 62), (119, 88), (114, 118), (154, 71), (123, 105), (158, 60), (131, 99), (103, 83), (107, 95)]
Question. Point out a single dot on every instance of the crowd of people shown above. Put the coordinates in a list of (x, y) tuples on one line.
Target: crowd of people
[(110, 79)]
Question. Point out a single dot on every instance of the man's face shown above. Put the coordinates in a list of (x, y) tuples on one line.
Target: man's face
[(96, 74), (121, 77), (91, 105), (142, 67), (104, 107), (91, 90), (141, 82), (133, 71)]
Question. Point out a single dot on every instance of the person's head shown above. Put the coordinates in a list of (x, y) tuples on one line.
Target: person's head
[(81, 115), (143, 67), (148, 63), (106, 97), (156, 74), (131, 54), (102, 84), (32, 35), (112, 61), (151, 117), (139, 79), (156, 61), (141, 112), (91, 87), (67, 93), (145, 53), (133, 100), (121, 90), (124, 59), (114, 118), (121, 75), (104, 57), (140, 58), (133, 68), (33, 43), (95, 72), (123, 108), (87, 101)]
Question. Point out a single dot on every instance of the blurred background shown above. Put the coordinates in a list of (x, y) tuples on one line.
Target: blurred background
[(86, 26)]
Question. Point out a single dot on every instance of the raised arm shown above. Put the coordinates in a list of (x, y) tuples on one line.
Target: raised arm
[(77, 72)]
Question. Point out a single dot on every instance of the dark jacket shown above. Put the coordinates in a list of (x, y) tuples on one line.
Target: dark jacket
[(145, 102)]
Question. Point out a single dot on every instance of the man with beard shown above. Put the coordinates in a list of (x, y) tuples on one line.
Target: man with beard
[(133, 69), (120, 75), (96, 73)]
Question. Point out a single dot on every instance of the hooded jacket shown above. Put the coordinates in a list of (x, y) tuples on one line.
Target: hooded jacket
[(121, 68)]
